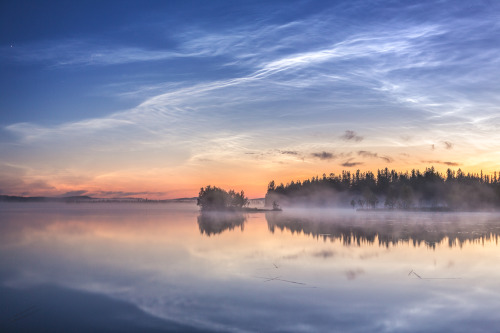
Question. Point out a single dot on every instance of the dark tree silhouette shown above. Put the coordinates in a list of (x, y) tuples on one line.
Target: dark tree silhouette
[(215, 198), (403, 190)]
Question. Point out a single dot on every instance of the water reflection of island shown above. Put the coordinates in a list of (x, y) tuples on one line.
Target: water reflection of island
[(391, 229), (214, 223)]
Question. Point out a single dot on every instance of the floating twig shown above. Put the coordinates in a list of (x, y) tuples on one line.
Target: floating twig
[(433, 278), (23, 314), (278, 278)]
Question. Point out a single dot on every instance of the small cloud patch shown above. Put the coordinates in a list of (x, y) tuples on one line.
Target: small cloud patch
[(442, 162), (386, 158), (351, 136), (365, 153), (323, 155)]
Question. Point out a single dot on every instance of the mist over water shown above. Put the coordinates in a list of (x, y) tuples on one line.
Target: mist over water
[(171, 268)]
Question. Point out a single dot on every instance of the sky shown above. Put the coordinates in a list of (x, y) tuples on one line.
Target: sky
[(156, 99)]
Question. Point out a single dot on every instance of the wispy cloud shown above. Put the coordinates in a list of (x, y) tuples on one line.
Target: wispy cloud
[(367, 154), (442, 162), (350, 163), (17, 181), (387, 159), (81, 53), (124, 194), (74, 193), (282, 85)]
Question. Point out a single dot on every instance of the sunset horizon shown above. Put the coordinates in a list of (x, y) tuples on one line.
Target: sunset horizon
[(254, 191)]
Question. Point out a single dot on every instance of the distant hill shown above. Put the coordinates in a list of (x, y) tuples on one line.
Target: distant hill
[(85, 198), (11, 198)]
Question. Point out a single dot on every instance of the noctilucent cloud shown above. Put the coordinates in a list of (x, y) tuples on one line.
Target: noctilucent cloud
[(156, 99)]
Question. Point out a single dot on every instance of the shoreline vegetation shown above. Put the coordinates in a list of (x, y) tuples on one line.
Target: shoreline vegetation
[(215, 199), (402, 191)]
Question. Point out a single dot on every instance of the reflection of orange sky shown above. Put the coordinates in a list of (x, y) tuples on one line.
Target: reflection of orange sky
[(176, 223), (158, 237)]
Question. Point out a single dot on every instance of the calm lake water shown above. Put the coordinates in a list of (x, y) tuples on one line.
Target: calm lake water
[(165, 267)]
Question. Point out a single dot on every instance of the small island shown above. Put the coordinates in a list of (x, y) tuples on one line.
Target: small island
[(215, 199)]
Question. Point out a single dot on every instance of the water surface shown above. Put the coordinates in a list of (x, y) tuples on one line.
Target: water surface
[(166, 267)]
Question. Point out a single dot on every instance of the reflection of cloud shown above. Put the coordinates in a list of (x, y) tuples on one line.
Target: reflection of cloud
[(323, 155), (351, 136), (76, 308), (324, 254), (291, 256), (349, 164), (353, 273), (365, 256)]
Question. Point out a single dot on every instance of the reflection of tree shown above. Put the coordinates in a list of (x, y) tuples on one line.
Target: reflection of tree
[(389, 229), (213, 223)]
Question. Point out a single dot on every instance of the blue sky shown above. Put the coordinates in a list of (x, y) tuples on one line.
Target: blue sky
[(161, 98)]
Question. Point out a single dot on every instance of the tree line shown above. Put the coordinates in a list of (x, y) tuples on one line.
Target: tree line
[(392, 189)]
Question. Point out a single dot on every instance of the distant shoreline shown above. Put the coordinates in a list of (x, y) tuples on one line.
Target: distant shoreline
[(87, 199), (240, 210)]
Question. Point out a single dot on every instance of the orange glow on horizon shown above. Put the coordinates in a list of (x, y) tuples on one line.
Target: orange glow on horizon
[(252, 179)]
